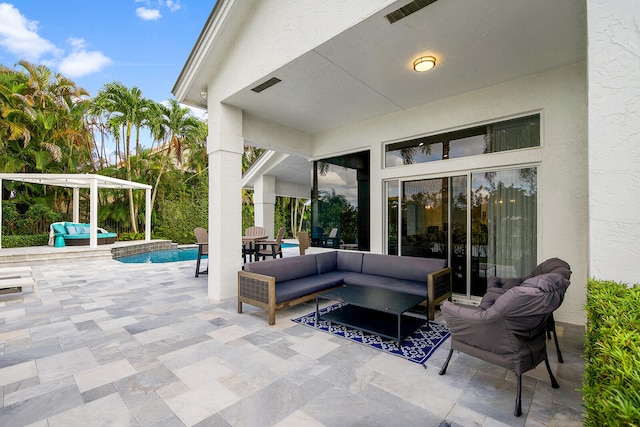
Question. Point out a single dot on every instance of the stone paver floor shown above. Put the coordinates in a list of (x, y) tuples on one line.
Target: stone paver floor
[(140, 345)]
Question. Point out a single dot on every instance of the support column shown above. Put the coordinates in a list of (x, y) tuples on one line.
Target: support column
[(225, 146), (76, 204), (264, 202), (93, 213), (613, 60)]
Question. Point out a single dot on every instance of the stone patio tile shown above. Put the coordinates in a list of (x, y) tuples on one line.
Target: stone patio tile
[(18, 372), (201, 402), (40, 407), (104, 374), (107, 411), (55, 367)]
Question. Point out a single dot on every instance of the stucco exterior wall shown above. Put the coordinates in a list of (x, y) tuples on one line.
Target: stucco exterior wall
[(560, 96), (614, 139)]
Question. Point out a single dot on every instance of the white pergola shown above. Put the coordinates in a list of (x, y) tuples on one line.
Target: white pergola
[(78, 181)]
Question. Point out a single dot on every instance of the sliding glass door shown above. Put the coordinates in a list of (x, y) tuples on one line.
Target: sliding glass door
[(483, 223)]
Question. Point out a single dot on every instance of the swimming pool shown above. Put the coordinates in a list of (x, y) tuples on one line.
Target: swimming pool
[(172, 255)]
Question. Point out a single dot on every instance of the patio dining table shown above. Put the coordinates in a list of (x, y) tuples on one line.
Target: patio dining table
[(251, 242)]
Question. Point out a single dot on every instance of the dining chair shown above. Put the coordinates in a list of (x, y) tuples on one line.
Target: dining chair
[(202, 239), (272, 248), (303, 241)]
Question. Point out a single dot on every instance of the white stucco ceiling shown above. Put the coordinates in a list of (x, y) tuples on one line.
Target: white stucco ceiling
[(366, 71)]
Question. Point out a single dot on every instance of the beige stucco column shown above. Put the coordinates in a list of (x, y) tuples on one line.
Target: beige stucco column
[(264, 202), (614, 137), (224, 146)]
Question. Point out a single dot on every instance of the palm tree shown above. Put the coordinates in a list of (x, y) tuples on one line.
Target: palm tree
[(178, 130), (127, 109)]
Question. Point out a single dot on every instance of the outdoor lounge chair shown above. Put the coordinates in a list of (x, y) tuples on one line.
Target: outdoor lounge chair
[(510, 331), (202, 239), (497, 286), (265, 248), (332, 240)]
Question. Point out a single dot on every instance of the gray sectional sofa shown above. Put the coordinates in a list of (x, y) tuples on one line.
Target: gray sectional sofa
[(280, 283)]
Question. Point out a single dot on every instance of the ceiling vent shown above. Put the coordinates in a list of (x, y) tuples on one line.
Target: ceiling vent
[(408, 9), (266, 85)]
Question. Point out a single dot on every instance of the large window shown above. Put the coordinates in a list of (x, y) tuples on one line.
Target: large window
[(507, 135)]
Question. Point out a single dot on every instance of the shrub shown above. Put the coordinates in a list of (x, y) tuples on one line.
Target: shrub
[(20, 241), (611, 384)]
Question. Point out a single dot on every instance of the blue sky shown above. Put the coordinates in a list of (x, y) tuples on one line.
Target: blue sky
[(140, 43)]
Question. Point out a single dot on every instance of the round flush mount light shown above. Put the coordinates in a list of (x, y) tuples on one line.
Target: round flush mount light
[(424, 63)]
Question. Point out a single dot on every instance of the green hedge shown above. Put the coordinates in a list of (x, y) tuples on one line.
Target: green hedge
[(611, 384), (20, 241)]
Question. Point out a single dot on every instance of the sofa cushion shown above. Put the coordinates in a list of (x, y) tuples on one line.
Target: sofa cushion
[(413, 287), (349, 261), (284, 269), (296, 288), (59, 228), (71, 229), (326, 262), (401, 267)]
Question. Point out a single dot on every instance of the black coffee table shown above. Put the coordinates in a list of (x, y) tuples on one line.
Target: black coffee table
[(370, 309)]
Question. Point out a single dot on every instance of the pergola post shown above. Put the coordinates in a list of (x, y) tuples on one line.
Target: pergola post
[(93, 213), (76, 204)]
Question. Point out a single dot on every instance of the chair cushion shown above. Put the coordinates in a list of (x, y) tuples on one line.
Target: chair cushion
[(552, 265)]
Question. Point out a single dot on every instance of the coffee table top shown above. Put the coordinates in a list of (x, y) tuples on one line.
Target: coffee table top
[(379, 299)]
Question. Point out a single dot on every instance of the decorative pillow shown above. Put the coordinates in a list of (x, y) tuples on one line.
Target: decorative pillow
[(83, 228), (71, 229), (59, 228)]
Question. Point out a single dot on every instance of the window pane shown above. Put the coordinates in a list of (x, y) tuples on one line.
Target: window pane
[(501, 136), (392, 217), (425, 211)]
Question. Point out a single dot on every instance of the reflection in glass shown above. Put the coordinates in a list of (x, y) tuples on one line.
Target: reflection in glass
[(392, 217), (459, 233), (507, 135), (503, 225), (425, 211)]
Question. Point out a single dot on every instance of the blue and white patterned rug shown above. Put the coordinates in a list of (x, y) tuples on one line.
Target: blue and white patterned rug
[(416, 347)]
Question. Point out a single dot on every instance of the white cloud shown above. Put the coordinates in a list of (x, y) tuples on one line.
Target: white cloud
[(81, 62), (19, 35), (173, 5), (148, 14)]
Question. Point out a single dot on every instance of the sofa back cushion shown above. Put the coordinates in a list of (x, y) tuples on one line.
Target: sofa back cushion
[(326, 262), (349, 261), (284, 269), (59, 228), (401, 267)]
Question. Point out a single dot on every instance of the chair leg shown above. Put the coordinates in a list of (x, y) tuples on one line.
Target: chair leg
[(443, 370), (198, 265), (555, 341), (554, 383), (518, 410)]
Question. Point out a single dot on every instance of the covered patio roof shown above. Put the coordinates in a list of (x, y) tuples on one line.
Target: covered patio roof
[(76, 181)]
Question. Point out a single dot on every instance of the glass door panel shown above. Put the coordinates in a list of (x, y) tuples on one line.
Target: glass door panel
[(459, 213), (392, 188), (503, 224), (425, 218)]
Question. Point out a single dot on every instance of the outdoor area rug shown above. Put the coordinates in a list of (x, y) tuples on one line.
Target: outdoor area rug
[(416, 347)]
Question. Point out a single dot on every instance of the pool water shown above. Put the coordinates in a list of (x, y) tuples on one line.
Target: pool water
[(171, 255)]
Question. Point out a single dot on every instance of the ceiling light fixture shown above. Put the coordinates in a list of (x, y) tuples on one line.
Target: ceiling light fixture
[(424, 63), (203, 94)]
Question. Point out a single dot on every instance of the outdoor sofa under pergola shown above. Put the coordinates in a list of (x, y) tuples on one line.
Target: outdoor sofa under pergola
[(77, 181)]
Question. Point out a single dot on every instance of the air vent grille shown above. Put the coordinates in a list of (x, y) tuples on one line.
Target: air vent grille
[(408, 9), (266, 85)]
